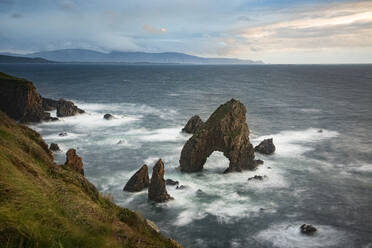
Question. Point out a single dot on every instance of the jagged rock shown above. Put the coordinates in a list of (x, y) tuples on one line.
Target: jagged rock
[(108, 117), (20, 100), (74, 161), (139, 181), (67, 108), (49, 104), (226, 131), (193, 124), (54, 119), (265, 147), (257, 177), (54, 147), (171, 182), (308, 229), (320, 131), (62, 134), (157, 190)]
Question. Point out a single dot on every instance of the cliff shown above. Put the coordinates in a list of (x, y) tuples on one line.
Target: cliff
[(47, 205)]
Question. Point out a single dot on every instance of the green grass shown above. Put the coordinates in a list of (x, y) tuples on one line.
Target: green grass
[(47, 205)]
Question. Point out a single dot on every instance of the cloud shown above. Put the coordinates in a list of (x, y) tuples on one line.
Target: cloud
[(16, 16), (67, 4), (154, 30)]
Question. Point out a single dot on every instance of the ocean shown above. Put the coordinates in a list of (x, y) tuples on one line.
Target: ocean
[(320, 178)]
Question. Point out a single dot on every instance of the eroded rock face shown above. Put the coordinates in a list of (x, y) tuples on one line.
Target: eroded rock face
[(226, 131), (20, 100), (266, 147), (139, 181), (193, 124), (49, 104), (67, 108), (74, 161), (157, 189)]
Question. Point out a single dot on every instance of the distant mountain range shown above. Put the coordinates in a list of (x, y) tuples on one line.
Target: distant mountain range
[(90, 56), (16, 59)]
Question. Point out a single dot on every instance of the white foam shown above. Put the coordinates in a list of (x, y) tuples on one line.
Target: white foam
[(310, 110), (288, 235), (157, 135), (296, 143)]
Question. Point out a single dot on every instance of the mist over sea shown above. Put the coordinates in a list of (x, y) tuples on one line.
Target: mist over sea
[(319, 178)]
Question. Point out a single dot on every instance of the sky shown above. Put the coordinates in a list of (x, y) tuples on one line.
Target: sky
[(274, 31)]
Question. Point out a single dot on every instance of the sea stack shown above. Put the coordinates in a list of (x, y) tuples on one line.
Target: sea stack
[(157, 190), (67, 108), (74, 161), (266, 147), (226, 131), (139, 181)]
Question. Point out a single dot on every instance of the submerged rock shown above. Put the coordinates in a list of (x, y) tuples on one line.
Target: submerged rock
[(181, 187), (258, 162), (54, 147), (67, 108), (139, 181), (193, 124), (257, 177), (108, 117), (157, 189), (74, 161), (307, 229), (227, 131), (171, 182), (266, 147)]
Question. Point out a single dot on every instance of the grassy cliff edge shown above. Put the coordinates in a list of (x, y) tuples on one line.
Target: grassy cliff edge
[(47, 205)]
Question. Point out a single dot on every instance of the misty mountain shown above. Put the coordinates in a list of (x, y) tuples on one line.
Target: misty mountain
[(17, 59), (83, 55)]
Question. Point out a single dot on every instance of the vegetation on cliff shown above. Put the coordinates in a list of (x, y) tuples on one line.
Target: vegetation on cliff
[(47, 205)]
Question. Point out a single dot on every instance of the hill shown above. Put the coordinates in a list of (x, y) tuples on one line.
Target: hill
[(83, 55), (47, 205), (17, 59)]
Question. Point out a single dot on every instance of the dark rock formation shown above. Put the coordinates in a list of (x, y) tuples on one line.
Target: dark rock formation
[(74, 161), (108, 117), (193, 125), (307, 229), (266, 147), (171, 182), (226, 131), (139, 181), (257, 177), (49, 104), (157, 189), (62, 134), (258, 162), (67, 108), (54, 147), (20, 101)]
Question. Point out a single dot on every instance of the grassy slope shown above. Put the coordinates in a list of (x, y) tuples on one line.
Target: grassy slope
[(46, 205)]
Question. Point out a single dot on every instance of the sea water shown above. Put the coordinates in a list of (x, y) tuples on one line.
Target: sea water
[(317, 177)]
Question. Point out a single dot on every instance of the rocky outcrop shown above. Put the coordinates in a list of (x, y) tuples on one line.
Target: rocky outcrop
[(74, 161), (20, 100), (54, 147), (108, 117), (193, 125), (226, 131), (67, 108), (266, 147), (307, 229), (139, 181), (157, 190)]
